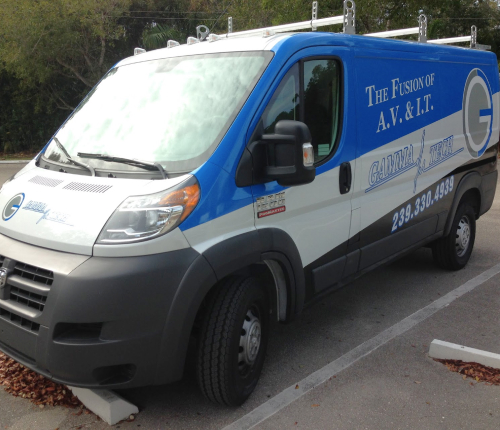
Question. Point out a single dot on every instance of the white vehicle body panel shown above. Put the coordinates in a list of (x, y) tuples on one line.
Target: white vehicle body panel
[(71, 220)]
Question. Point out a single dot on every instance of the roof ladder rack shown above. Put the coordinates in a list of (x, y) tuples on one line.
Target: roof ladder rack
[(313, 24), (348, 21)]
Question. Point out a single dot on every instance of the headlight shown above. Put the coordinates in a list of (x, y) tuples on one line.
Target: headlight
[(146, 217)]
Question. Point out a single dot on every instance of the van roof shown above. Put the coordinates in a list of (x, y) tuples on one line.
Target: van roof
[(300, 41), (223, 45)]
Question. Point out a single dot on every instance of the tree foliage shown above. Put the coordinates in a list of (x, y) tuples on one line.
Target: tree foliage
[(53, 51)]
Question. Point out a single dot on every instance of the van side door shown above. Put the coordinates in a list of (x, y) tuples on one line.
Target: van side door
[(402, 193)]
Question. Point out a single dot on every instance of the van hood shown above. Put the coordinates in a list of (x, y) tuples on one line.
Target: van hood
[(66, 212)]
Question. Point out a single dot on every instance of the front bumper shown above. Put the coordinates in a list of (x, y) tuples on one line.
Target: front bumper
[(90, 321)]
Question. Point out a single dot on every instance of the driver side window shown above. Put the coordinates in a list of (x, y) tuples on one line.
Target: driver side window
[(285, 101), (310, 92)]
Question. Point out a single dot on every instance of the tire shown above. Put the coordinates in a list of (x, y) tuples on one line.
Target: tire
[(452, 252), (233, 341)]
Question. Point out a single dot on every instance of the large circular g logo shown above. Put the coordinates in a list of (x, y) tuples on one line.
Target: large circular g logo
[(12, 206), (477, 108)]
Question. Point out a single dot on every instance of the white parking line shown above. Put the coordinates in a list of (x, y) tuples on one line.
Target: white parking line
[(298, 390)]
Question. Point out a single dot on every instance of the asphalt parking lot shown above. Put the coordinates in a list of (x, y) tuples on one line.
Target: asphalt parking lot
[(392, 384)]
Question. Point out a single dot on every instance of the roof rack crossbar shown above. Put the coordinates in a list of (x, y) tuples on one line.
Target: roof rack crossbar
[(449, 40), (394, 33), (290, 27)]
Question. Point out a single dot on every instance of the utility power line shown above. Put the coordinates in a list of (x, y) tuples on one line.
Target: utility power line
[(171, 13), (160, 18)]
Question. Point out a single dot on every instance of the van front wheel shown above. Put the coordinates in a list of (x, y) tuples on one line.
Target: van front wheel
[(233, 340), (453, 251)]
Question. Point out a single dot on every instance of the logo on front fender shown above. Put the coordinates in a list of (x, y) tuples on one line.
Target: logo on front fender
[(12, 206)]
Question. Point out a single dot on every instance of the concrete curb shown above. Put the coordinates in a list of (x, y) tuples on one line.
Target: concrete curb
[(108, 405), (15, 162), (452, 351)]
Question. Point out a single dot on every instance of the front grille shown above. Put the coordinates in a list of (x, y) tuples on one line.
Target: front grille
[(32, 300), (19, 321), (35, 274), (26, 295)]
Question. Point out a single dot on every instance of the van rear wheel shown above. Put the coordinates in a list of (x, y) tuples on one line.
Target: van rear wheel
[(233, 341), (453, 251)]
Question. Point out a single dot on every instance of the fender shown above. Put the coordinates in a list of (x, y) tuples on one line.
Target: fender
[(472, 180), (194, 286), (250, 248), (489, 186), (274, 239), (213, 265)]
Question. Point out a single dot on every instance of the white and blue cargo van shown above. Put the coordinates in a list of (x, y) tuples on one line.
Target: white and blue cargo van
[(202, 189)]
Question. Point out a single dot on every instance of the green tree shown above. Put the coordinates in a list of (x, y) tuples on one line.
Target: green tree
[(70, 39), (25, 124), (53, 51)]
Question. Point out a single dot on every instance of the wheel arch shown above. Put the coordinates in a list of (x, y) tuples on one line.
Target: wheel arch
[(468, 188), (277, 250)]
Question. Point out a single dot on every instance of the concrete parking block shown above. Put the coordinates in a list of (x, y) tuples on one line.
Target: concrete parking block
[(451, 351), (106, 404)]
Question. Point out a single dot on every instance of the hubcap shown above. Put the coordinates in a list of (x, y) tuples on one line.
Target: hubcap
[(463, 236), (249, 340)]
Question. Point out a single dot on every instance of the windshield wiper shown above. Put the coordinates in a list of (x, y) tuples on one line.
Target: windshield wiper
[(77, 163), (130, 161)]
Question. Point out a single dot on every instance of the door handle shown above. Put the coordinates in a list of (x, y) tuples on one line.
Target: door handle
[(345, 178)]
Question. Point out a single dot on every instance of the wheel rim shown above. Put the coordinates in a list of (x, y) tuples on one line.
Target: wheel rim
[(250, 339), (462, 240)]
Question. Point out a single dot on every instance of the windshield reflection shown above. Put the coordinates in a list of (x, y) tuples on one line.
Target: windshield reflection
[(173, 111)]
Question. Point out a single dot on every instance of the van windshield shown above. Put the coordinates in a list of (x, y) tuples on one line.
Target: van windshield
[(173, 111)]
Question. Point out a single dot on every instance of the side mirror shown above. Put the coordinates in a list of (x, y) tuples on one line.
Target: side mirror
[(285, 156)]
